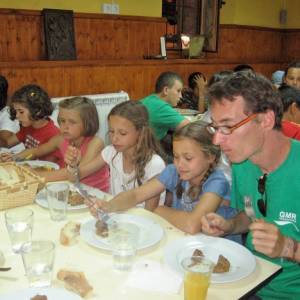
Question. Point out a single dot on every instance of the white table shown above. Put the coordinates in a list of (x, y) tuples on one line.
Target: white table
[(97, 265)]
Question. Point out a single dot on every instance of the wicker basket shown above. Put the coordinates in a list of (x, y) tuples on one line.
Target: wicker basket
[(21, 193)]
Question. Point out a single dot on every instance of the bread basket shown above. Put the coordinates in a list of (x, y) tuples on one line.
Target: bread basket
[(18, 185)]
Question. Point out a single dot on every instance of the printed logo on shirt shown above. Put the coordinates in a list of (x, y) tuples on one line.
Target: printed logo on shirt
[(31, 142), (286, 218)]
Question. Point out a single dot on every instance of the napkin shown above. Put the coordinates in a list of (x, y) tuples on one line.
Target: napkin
[(153, 276)]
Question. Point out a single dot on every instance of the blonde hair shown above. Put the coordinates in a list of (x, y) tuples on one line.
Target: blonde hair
[(87, 110), (147, 145), (197, 132)]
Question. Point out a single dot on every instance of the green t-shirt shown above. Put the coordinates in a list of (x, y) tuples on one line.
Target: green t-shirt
[(162, 115), (283, 209)]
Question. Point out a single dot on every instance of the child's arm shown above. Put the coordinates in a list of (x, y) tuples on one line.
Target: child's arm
[(190, 222), (41, 150), (8, 139), (131, 198), (89, 158)]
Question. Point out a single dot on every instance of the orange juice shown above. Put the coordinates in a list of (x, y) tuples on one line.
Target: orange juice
[(195, 286)]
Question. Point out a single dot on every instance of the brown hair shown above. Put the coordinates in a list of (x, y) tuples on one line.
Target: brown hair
[(257, 91), (87, 110), (35, 99), (197, 132), (146, 145)]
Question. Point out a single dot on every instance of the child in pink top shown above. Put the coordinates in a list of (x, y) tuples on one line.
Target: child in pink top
[(78, 121), (98, 179)]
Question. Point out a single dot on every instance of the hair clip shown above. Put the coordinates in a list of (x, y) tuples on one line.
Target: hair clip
[(32, 94)]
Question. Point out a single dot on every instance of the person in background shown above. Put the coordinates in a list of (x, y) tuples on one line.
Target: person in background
[(243, 68), (8, 127), (198, 187), (79, 123), (193, 95), (292, 75), (246, 114), (290, 98), (134, 155), (277, 78), (31, 106), (160, 106)]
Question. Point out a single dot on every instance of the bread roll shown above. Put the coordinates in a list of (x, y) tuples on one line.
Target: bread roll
[(75, 281), (69, 233)]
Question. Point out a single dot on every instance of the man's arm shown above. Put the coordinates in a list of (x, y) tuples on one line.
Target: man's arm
[(182, 123)]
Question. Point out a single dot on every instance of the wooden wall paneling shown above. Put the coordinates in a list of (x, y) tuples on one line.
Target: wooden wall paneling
[(291, 45), (248, 43)]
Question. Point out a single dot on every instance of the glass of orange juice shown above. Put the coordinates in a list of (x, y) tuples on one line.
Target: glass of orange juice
[(197, 270)]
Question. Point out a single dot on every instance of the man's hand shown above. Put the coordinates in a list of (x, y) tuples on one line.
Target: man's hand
[(267, 238)]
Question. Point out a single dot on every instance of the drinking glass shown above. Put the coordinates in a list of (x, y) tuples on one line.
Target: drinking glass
[(19, 224), (123, 239), (57, 197), (197, 275), (38, 260)]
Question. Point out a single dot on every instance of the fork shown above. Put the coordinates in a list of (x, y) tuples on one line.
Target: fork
[(101, 215), (249, 210)]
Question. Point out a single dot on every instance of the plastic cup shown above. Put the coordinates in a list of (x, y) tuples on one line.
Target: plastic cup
[(38, 260), (197, 277), (19, 224), (57, 197), (123, 238)]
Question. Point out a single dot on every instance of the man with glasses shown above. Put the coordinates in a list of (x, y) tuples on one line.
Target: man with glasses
[(246, 123)]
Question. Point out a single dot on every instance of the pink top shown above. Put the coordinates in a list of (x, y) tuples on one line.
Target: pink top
[(98, 179)]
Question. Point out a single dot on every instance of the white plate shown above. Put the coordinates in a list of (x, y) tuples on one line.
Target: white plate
[(51, 293), (242, 261), (40, 163), (150, 232), (41, 198)]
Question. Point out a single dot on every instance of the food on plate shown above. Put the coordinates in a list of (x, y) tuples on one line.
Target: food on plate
[(198, 252), (222, 265), (75, 281), (75, 199), (69, 233), (101, 229), (39, 297)]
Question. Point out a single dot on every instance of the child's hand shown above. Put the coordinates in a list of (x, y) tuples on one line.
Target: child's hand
[(6, 156), (213, 224), (201, 82), (95, 204), (72, 156)]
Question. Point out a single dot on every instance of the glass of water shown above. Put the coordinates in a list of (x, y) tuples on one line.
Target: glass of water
[(19, 224), (38, 260), (123, 239)]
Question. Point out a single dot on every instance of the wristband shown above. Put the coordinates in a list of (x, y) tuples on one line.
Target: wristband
[(289, 249)]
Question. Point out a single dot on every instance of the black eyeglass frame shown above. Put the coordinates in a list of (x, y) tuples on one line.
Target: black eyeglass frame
[(261, 187)]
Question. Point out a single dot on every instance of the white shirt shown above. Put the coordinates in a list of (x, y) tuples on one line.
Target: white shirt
[(6, 123), (121, 181)]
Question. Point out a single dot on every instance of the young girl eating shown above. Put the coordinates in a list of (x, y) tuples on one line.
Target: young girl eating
[(133, 157), (197, 186), (78, 121), (31, 106)]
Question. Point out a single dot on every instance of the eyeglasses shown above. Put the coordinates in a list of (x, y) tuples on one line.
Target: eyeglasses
[(229, 129), (261, 186)]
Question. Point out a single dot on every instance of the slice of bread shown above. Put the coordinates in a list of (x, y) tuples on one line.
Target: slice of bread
[(75, 281), (69, 233)]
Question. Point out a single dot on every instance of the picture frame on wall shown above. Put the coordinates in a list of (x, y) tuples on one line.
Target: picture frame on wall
[(59, 34), (209, 26)]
